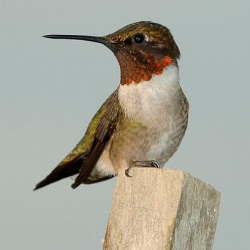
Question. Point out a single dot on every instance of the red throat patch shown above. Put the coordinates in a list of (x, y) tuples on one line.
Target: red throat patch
[(133, 71)]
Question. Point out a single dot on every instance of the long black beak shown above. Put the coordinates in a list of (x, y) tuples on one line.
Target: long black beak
[(97, 39)]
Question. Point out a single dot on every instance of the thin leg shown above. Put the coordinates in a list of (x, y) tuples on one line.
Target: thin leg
[(142, 164)]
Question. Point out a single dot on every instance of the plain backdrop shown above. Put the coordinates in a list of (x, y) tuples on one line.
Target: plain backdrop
[(50, 89)]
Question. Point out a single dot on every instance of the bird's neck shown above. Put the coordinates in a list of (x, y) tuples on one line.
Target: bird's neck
[(136, 67)]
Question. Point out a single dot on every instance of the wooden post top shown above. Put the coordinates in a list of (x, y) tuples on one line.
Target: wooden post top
[(162, 209)]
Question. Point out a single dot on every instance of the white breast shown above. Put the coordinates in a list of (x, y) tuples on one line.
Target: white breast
[(148, 99)]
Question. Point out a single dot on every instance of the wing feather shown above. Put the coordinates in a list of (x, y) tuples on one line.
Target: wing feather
[(87, 152), (103, 133)]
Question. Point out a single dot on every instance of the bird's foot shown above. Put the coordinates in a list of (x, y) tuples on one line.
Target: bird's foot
[(141, 164)]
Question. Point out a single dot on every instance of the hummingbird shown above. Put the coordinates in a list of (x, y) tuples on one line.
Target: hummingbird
[(143, 121)]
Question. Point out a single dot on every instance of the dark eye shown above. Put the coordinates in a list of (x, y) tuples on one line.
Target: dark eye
[(139, 38)]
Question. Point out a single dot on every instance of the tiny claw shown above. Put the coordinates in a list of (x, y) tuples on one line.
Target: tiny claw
[(155, 164), (148, 164), (127, 172)]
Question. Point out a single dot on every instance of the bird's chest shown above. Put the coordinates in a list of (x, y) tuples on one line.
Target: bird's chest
[(152, 102), (151, 118)]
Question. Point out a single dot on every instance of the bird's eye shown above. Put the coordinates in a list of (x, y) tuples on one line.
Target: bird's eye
[(138, 38)]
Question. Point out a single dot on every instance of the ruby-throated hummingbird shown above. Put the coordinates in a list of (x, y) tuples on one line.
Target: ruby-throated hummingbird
[(144, 120)]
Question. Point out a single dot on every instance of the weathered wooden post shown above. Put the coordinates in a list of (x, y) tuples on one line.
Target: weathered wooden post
[(160, 209)]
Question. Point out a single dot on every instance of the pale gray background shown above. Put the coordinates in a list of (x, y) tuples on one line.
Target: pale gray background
[(50, 89)]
